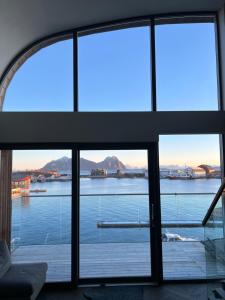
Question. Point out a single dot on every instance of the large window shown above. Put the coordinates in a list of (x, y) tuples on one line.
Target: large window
[(186, 73), (123, 71), (114, 71)]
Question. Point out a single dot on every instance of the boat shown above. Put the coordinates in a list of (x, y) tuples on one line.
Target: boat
[(180, 177)]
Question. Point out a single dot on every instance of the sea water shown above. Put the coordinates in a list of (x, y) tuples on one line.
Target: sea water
[(45, 218)]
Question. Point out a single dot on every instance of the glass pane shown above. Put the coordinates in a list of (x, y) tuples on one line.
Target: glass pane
[(114, 214), (190, 176), (41, 210), (114, 71), (214, 242), (44, 82), (186, 67)]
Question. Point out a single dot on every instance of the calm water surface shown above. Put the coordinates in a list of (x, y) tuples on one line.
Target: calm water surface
[(47, 220)]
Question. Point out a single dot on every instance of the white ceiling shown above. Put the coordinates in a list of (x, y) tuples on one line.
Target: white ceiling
[(25, 21)]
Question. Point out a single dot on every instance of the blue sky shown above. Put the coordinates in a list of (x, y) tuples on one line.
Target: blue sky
[(35, 159), (190, 150), (44, 82), (186, 67), (114, 71), (114, 75)]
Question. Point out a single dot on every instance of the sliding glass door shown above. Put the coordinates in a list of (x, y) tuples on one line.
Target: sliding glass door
[(99, 203), (115, 210)]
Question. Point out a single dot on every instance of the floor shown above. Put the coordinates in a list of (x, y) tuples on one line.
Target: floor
[(164, 292), (180, 260)]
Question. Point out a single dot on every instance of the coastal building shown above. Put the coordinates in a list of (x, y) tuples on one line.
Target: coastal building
[(53, 173), (99, 172), (20, 184), (19, 181), (202, 171), (146, 102)]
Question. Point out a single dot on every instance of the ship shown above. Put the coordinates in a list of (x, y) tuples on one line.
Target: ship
[(180, 177)]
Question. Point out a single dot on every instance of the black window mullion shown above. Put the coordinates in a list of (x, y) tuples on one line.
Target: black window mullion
[(153, 64), (155, 213), (75, 71), (219, 64), (75, 205)]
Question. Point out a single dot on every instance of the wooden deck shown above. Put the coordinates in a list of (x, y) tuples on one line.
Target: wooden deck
[(184, 260)]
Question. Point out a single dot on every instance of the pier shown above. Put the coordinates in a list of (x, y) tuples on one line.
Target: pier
[(172, 224)]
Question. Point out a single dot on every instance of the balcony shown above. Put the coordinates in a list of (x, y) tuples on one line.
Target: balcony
[(42, 228)]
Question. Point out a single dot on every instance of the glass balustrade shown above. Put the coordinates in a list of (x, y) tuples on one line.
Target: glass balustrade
[(114, 231), (183, 233), (41, 232), (215, 243)]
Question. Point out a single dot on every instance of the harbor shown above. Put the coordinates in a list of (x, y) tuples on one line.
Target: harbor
[(22, 179)]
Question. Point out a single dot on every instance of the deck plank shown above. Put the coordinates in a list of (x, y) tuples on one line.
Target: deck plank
[(184, 260)]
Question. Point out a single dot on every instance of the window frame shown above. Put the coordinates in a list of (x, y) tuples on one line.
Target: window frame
[(150, 20), (118, 24)]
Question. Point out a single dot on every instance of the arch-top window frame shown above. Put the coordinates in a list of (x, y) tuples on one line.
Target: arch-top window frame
[(151, 21)]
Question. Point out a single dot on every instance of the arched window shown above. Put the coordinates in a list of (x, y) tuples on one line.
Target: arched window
[(160, 64)]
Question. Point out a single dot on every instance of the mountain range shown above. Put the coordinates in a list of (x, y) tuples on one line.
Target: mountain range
[(65, 164)]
